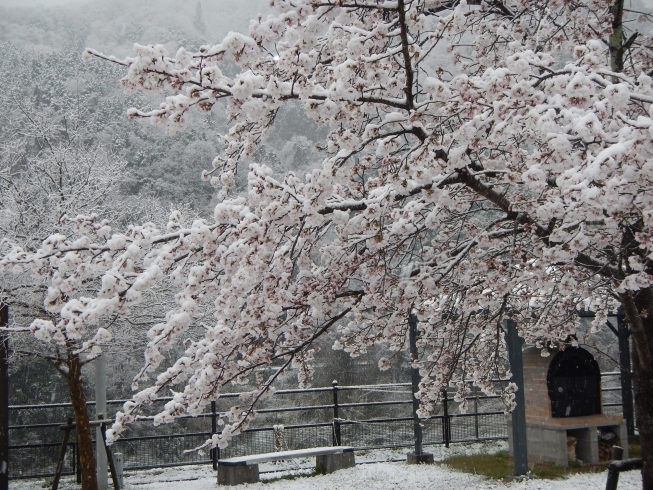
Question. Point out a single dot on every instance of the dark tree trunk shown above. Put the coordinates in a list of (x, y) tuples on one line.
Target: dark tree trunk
[(643, 382), (616, 41), (639, 313), (83, 428)]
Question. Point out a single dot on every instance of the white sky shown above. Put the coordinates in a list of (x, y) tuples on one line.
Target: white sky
[(31, 3), (25, 3), (48, 3)]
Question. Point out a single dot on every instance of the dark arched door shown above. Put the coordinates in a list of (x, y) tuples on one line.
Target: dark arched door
[(574, 382)]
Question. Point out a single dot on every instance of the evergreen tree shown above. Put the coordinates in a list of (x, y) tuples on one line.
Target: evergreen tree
[(198, 20)]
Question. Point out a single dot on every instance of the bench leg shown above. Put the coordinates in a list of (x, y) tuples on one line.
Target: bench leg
[(235, 475), (328, 463)]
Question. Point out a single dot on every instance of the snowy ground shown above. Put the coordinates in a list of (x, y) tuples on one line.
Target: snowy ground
[(383, 475)]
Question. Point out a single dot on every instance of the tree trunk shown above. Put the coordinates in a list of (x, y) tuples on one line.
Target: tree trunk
[(643, 384), (83, 428), (643, 379), (642, 336), (616, 41)]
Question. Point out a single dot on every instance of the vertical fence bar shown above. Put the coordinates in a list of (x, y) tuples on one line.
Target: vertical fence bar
[(215, 452), (446, 423), (337, 440), (4, 399), (476, 412)]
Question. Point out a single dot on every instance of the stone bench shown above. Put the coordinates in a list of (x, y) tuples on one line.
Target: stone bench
[(244, 469)]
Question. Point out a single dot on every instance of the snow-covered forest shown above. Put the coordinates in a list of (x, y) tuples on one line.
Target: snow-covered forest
[(314, 173)]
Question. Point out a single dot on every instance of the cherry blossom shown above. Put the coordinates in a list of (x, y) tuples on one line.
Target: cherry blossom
[(484, 160)]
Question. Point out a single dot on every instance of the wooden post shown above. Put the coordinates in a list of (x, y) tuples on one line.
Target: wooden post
[(4, 399), (62, 453), (515, 343), (112, 467), (617, 453), (617, 467)]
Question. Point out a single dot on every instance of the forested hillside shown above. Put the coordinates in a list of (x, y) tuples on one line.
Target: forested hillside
[(41, 67)]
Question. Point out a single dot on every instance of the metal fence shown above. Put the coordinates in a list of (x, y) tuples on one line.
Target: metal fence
[(365, 417)]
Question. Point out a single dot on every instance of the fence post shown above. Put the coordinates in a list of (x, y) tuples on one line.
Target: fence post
[(215, 452), (120, 470), (476, 411), (4, 399), (337, 440), (446, 426)]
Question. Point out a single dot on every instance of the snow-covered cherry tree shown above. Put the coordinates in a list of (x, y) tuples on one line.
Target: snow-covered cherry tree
[(484, 160), (53, 185), (49, 174)]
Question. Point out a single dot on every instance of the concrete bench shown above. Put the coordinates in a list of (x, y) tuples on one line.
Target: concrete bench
[(244, 469)]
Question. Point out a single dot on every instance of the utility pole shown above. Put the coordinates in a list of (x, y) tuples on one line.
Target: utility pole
[(515, 343), (101, 410), (418, 456)]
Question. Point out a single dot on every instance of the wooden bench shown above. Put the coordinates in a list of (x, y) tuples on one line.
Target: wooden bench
[(244, 469)]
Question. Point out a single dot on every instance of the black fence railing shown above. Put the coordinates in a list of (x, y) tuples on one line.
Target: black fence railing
[(365, 417)]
